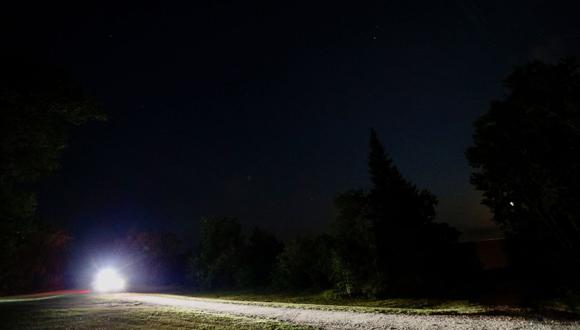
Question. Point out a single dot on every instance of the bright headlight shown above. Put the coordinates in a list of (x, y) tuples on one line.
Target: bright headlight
[(108, 280)]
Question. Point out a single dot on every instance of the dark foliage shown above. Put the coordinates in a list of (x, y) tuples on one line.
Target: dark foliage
[(39, 107), (259, 259), (387, 242), (525, 162), (524, 154), (37, 262), (305, 264), (226, 259), (219, 256)]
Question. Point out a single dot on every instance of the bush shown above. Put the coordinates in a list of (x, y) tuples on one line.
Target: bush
[(305, 264)]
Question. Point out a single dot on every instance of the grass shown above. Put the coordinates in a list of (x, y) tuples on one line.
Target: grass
[(88, 311), (569, 304), (327, 301), (556, 308), (99, 311)]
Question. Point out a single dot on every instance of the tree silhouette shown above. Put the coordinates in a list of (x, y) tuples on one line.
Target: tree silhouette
[(385, 236), (524, 155), (305, 263), (220, 253), (259, 260), (39, 107)]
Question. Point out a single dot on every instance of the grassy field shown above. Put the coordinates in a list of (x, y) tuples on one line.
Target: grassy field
[(328, 301), (88, 311), (82, 311)]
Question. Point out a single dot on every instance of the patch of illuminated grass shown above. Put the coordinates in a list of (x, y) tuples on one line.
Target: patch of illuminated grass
[(326, 301), (88, 311)]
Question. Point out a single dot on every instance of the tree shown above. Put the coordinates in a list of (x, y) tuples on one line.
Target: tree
[(226, 259), (304, 264), (355, 243), (386, 236), (259, 259), (39, 261), (39, 107), (524, 155), (217, 263)]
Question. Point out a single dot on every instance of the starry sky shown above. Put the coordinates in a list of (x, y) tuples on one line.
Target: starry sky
[(262, 109)]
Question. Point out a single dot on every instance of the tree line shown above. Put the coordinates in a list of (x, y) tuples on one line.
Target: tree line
[(384, 240)]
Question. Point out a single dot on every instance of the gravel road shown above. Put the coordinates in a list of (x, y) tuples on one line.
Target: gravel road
[(353, 320)]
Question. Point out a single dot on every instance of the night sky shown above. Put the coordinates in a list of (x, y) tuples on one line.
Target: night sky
[(262, 110)]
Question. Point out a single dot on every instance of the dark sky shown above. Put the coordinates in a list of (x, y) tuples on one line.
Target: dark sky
[(262, 110)]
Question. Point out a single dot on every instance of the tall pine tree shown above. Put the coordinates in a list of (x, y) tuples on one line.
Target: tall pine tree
[(392, 233)]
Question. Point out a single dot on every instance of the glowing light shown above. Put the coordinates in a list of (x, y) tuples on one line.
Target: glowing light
[(108, 280), (512, 204)]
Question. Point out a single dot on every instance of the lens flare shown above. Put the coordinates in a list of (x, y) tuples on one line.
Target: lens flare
[(108, 280)]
